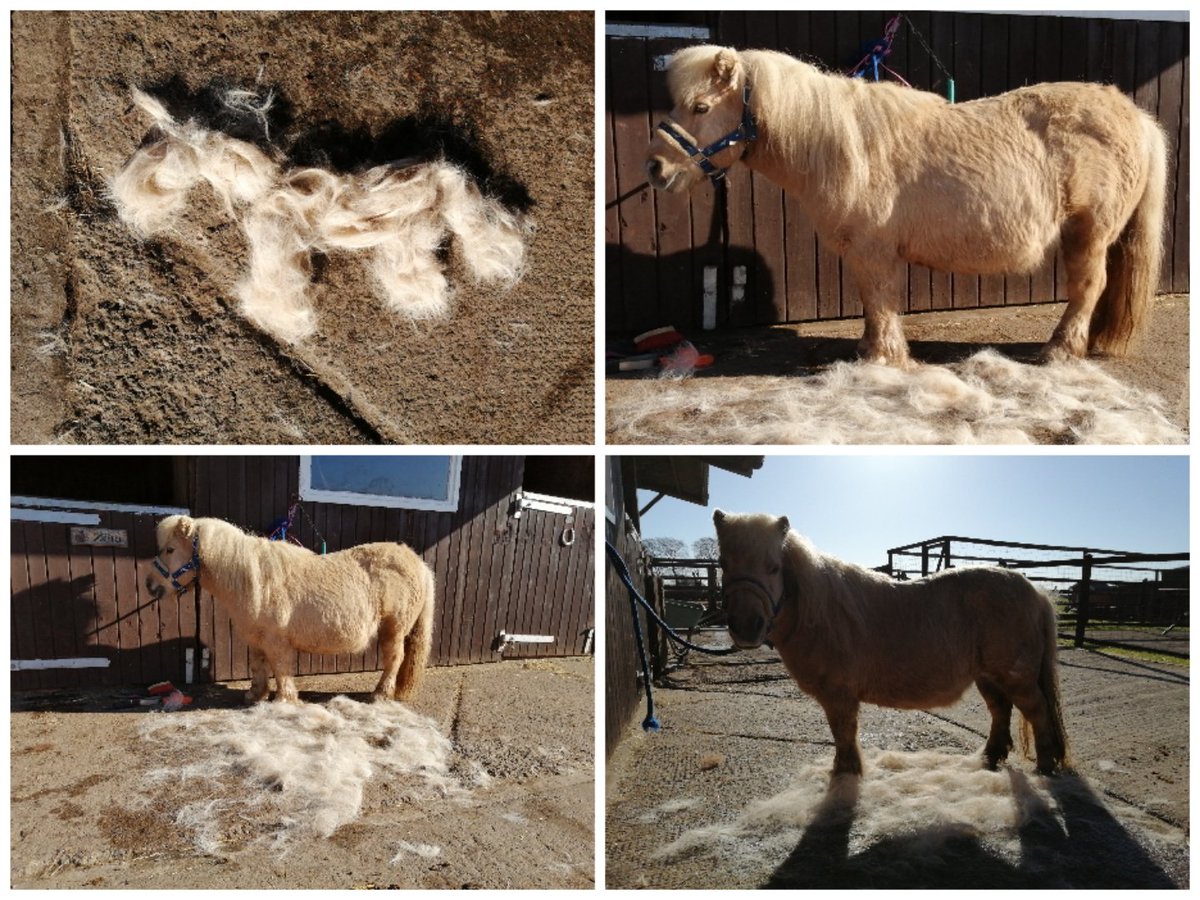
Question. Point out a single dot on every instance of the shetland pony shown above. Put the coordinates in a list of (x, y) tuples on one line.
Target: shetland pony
[(849, 635), (890, 175), (283, 599)]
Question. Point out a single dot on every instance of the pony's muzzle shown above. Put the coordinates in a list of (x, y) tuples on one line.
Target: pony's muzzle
[(748, 630), (153, 588)]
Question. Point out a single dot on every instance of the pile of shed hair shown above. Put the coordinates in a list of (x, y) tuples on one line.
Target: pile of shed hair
[(984, 399), (918, 811), (397, 215), (281, 770)]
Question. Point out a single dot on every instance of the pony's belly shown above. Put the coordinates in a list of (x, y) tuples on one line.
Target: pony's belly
[(919, 694)]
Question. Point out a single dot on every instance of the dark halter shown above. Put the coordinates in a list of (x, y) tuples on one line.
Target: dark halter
[(744, 133), (743, 580), (190, 565)]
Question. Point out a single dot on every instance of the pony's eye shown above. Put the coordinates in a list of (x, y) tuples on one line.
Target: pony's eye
[(773, 570), (700, 109)]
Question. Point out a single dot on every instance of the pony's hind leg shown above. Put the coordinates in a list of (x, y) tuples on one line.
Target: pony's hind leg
[(1033, 706), (843, 722), (1084, 257), (391, 649), (999, 741)]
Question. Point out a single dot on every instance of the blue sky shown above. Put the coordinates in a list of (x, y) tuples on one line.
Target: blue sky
[(856, 507)]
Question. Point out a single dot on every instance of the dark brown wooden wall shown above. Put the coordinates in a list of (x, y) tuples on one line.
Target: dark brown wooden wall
[(658, 245), (623, 694), (494, 572)]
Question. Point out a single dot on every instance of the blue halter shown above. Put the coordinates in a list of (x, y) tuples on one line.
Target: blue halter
[(190, 565), (744, 133)]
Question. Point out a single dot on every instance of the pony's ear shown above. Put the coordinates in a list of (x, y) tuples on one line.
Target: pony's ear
[(782, 523), (718, 516), (186, 526), (725, 67)]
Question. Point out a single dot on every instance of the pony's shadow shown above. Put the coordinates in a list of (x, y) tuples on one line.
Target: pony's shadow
[(1088, 848)]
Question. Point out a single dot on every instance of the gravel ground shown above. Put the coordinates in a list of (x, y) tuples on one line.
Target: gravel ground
[(734, 791), (86, 811)]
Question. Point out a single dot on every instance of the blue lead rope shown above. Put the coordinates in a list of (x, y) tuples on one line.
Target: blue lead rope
[(650, 723)]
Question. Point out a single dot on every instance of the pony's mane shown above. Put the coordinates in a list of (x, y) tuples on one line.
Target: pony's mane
[(828, 125), (239, 552), (830, 594)]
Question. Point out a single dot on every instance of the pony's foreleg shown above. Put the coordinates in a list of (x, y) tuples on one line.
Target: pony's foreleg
[(391, 649), (281, 660), (881, 291), (843, 722), (999, 741), (260, 673), (1084, 256)]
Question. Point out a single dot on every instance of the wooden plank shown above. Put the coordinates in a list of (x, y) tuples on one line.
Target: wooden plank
[(614, 293), (62, 604), (458, 558), (993, 80), (768, 298), (678, 296), (581, 583), (141, 654), (828, 266), (800, 240), (23, 581), (1181, 277), (636, 213), (500, 557), (741, 272)]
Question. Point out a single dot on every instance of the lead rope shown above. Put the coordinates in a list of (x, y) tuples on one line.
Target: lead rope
[(650, 723)]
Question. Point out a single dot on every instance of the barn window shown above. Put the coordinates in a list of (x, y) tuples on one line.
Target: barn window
[(399, 482)]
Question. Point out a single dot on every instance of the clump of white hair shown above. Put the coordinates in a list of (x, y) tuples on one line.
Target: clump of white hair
[(984, 399), (398, 216)]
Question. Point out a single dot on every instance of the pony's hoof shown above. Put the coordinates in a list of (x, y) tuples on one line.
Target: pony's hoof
[(1054, 352), (251, 697)]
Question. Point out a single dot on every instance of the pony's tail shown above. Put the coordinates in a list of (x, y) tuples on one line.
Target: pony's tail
[(1048, 685), (1135, 259), (418, 641)]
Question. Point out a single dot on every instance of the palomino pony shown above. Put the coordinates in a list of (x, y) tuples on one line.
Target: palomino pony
[(283, 599), (890, 175), (849, 635)]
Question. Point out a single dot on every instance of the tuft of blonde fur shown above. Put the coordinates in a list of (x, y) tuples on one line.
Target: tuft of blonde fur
[(398, 217), (282, 598)]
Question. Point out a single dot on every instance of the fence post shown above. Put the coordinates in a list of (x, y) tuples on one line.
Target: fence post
[(946, 561), (1085, 593), (924, 560)]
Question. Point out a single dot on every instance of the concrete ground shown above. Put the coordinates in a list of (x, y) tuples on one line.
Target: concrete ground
[(117, 340), (87, 810), (734, 792)]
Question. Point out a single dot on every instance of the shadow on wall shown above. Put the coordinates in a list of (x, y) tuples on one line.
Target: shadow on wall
[(63, 619)]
